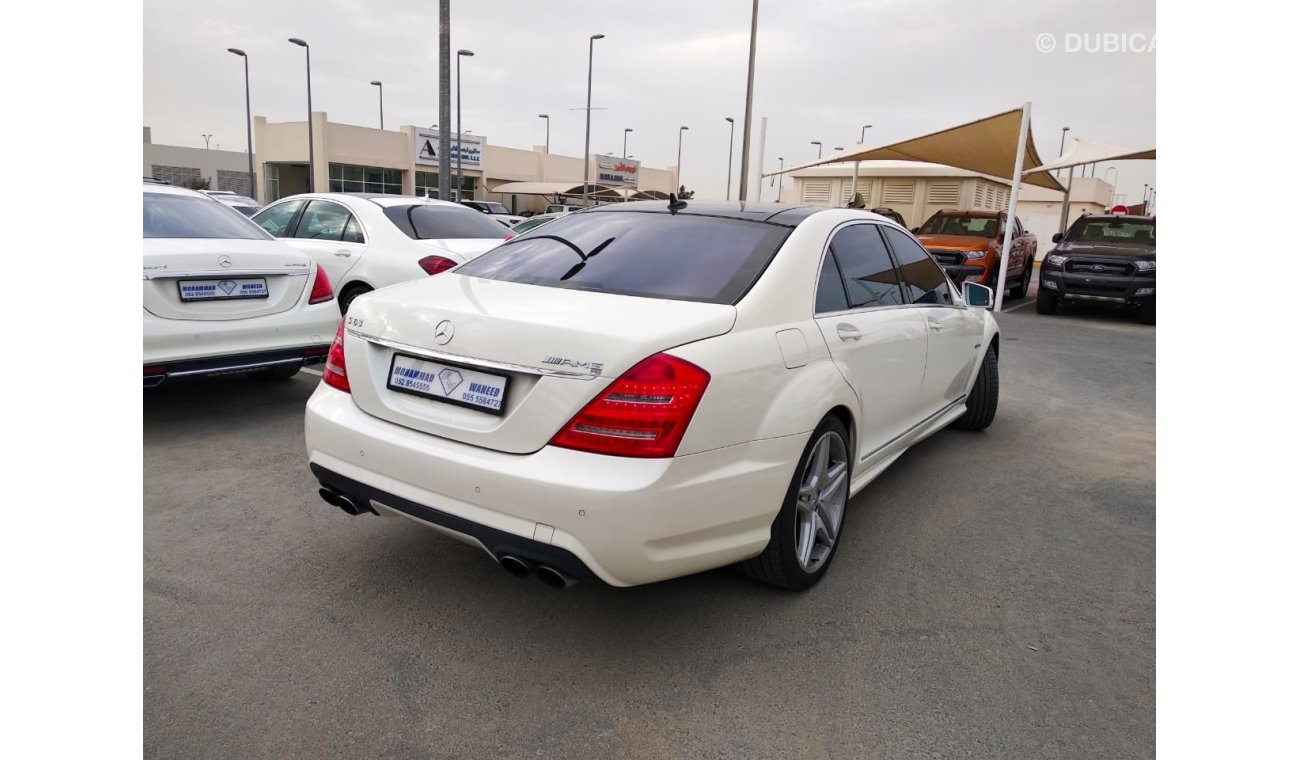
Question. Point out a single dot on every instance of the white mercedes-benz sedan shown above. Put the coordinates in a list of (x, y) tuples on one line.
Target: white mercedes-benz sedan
[(647, 390), (370, 241), (223, 297)]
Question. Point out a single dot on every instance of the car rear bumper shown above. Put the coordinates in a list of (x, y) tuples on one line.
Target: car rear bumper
[(1118, 290), (200, 347), (624, 521), (235, 364)]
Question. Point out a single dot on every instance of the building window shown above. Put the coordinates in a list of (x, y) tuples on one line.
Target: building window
[(426, 185), (348, 178), (271, 172), (184, 176), (239, 182)]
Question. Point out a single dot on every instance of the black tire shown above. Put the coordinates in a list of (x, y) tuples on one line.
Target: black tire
[(1022, 288), (349, 294), (1147, 313), (779, 565), (982, 403), (277, 373), (1045, 303)]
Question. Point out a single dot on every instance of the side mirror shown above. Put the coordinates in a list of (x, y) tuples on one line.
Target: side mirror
[(976, 295), (1058, 237), (916, 230)]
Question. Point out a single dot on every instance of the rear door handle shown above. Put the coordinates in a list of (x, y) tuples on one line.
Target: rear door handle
[(934, 325), (343, 252), (848, 332)]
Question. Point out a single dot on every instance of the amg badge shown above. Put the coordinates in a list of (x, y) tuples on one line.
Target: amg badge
[(560, 361)]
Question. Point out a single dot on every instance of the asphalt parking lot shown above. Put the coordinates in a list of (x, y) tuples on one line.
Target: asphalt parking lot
[(993, 597)]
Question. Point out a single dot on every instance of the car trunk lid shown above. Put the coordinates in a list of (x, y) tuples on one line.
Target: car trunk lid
[(548, 350), (206, 279)]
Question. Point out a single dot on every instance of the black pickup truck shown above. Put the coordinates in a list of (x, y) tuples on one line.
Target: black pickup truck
[(1106, 259)]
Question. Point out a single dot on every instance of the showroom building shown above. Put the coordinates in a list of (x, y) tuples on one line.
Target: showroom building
[(350, 158)]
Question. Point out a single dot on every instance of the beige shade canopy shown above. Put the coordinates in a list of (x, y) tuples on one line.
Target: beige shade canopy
[(1091, 152), (986, 146)]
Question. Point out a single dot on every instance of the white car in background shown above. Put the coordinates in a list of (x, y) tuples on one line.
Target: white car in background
[(495, 210), (223, 297), (241, 203), (370, 241), (644, 390), (533, 222)]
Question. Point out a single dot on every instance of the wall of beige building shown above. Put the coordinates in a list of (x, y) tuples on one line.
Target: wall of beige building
[(284, 144)]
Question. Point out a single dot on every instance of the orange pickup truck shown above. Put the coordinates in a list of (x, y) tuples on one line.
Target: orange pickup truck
[(967, 244)]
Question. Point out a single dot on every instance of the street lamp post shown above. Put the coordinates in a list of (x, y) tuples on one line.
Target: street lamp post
[(207, 139), (680, 130), (863, 138), (626, 130), (380, 85), (548, 131), (731, 145), (1062, 151), (460, 169), (586, 143), (248, 114), (819, 148), (311, 140), (780, 177)]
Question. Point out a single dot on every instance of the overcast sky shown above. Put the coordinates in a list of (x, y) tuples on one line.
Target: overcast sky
[(825, 68)]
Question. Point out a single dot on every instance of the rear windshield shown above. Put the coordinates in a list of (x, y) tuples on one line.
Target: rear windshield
[(236, 200), (1124, 231), (970, 226), (427, 222), (681, 257), (185, 216)]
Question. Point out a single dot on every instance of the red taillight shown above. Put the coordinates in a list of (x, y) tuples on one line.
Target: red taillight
[(644, 413), (336, 369), (320, 289), (510, 236), (436, 264)]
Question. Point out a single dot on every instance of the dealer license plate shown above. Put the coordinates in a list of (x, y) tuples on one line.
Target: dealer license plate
[(448, 382), (223, 290)]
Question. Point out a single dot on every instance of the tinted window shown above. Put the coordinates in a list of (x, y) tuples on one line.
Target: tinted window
[(275, 219), (924, 280), (322, 221), (1086, 230), (869, 276), (428, 222), (185, 216), (830, 288), (972, 226), (529, 224), (682, 257)]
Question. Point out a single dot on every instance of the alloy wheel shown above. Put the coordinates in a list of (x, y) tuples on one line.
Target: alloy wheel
[(823, 493)]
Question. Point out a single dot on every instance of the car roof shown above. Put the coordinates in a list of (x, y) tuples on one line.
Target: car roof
[(383, 200), (1118, 218), (771, 213), (165, 189)]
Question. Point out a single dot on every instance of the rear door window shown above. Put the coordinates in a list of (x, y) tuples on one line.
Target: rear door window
[(922, 277), (322, 220), (869, 275), (677, 256)]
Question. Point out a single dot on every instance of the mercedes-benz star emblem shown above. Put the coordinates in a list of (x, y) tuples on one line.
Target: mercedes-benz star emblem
[(225, 262), (442, 334)]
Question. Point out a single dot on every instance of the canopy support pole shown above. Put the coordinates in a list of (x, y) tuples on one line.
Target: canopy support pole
[(1065, 204), (854, 189), (1011, 211)]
